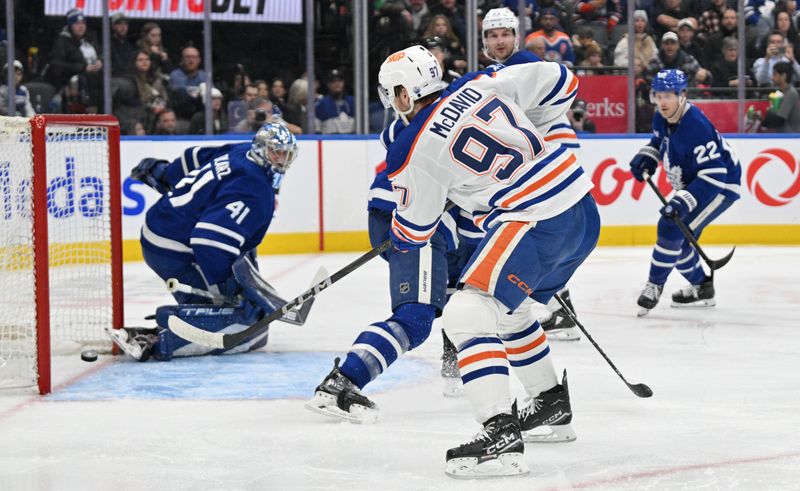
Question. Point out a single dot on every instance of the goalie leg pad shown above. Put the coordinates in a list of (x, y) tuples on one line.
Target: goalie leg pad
[(179, 266), (254, 287), (211, 318)]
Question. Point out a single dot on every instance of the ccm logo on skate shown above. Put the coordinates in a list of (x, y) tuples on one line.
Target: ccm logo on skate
[(507, 441), (520, 284), (65, 193), (208, 311), (754, 184)]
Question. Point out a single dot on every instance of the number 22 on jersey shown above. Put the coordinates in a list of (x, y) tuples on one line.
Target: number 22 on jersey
[(478, 148)]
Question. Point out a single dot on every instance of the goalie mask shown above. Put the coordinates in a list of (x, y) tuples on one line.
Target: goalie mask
[(274, 145), (416, 70)]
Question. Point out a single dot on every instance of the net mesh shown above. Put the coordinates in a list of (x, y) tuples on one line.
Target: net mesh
[(79, 244)]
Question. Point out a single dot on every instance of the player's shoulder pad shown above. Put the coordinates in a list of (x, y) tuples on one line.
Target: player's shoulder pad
[(522, 56), (397, 155), (390, 133), (695, 126)]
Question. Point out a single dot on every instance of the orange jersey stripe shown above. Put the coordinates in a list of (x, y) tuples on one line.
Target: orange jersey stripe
[(541, 182), (418, 238), (572, 85), (522, 349), (481, 356), (422, 130), (558, 136), (482, 275)]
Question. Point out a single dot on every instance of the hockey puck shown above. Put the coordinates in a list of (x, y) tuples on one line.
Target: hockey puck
[(89, 355)]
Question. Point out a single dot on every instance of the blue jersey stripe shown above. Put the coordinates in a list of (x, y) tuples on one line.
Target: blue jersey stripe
[(527, 176), (565, 99), (557, 88)]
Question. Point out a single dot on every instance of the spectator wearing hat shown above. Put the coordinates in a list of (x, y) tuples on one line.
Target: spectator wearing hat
[(22, 98), (686, 38), (667, 14), (644, 48), (219, 121), (336, 110), (786, 118), (672, 56), (73, 55), (600, 15), (558, 46), (122, 50), (725, 71)]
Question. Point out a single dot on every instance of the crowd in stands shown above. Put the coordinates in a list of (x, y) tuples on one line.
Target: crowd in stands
[(159, 91)]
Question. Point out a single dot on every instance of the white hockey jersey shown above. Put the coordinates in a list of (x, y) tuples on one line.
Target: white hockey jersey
[(476, 147)]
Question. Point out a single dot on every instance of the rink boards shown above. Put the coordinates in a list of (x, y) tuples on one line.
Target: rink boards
[(322, 203)]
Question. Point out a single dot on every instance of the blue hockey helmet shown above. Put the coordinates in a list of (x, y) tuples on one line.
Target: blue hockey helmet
[(671, 80), (275, 145)]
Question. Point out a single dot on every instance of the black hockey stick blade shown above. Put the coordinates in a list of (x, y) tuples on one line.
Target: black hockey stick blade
[(299, 316), (718, 263), (640, 390)]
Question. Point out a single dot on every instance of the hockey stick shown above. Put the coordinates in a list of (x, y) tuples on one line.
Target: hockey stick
[(712, 263), (640, 390)]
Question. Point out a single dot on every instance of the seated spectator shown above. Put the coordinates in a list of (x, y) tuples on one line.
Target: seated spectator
[(263, 88), (166, 123), (786, 118), (558, 47), (250, 92), (600, 15), (579, 119), (452, 66), (455, 18), (711, 19), (197, 126), (22, 98), (440, 26), (74, 55), (536, 46), (583, 38), (564, 17), (277, 93), (784, 25), (644, 48), (527, 18), (777, 51), (122, 50), (259, 113), (644, 108), (185, 82), (593, 60), (672, 56), (152, 95), (138, 129), (420, 16), (686, 39), (728, 28), (150, 42), (336, 110), (295, 112), (668, 13), (725, 71)]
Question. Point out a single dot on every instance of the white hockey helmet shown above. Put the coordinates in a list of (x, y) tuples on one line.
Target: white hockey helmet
[(416, 70), (500, 18)]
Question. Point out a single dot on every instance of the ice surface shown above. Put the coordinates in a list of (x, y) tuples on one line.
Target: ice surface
[(725, 414)]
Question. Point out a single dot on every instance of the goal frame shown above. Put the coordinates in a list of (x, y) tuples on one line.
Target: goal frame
[(39, 125)]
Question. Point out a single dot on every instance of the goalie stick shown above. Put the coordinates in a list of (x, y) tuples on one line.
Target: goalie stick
[(295, 316), (712, 263)]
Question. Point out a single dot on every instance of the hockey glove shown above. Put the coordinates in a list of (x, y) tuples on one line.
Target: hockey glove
[(151, 172), (644, 161), (680, 205)]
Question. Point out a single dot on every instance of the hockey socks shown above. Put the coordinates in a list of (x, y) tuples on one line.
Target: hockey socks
[(484, 371), (528, 353)]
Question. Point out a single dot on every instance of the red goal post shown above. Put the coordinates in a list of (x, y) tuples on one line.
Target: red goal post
[(60, 241)]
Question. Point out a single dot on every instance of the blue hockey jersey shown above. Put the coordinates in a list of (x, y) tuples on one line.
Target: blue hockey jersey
[(696, 157), (220, 207)]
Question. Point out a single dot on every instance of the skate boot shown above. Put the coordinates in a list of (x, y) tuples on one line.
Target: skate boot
[(546, 418), (557, 324), (338, 397), (451, 377), (136, 342), (494, 452), (701, 295), (649, 298)]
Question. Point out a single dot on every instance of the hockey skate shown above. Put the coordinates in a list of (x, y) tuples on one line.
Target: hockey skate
[(451, 377), (546, 418), (701, 295), (338, 397), (649, 298), (494, 452), (557, 324), (136, 342)]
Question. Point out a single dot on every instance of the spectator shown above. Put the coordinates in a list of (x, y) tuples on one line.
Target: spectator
[(644, 109), (593, 59), (644, 48), (784, 25), (250, 92), (725, 71), (73, 55), (420, 15), (336, 110), (536, 46), (295, 112), (579, 119), (668, 13), (786, 118), (527, 18), (599, 15), (138, 129), (686, 39), (564, 18), (152, 95), (185, 82), (728, 28), (150, 42), (263, 88), (197, 126), (455, 17), (122, 50), (583, 38), (166, 123), (672, 56), (440, 26), (558, 47), (260, 112), (277, 93), (777, 50), (450, 71), (22, 98), (710, 19)]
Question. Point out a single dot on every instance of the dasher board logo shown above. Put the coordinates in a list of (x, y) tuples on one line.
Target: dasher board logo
[(764, 183)]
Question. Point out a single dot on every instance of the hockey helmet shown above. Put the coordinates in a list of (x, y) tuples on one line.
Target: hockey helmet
[(671, 80), (416, 70), (274, 145), (500, 18)]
